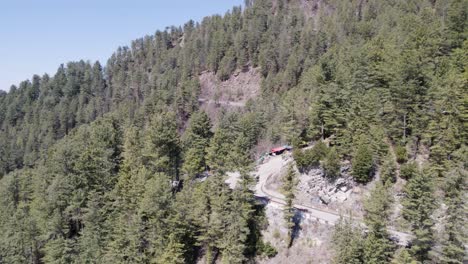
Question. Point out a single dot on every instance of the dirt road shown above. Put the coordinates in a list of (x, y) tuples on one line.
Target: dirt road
[(223, 103), (273, 166)]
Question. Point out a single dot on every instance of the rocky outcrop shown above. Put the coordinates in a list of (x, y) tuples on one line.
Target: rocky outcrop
[(316, 185)]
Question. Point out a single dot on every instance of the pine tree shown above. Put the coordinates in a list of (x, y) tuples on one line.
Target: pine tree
[(289, 185), (173, 252), (93, 235), (377, 246), (403, 257), (377, 249), (161, 150), (234, 241), (408, 170), (347, 243), (453, 250), (154, 210), (418, 205), (213, 228), (362, 164), (195, 143), (218, 151)]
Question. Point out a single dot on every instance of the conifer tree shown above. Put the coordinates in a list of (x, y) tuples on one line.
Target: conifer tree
[(347, 243), (408, 170), (402, 256), (417, 209), (377, 246), (173, 253), (453, 250), (93, 236), (195, 142), (362, 163), (161, 150), (289, 186)]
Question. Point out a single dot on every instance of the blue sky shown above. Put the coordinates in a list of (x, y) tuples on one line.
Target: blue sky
[(37, 36)]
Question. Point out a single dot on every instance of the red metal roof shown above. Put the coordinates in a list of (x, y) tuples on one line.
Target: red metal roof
[(278, 149)]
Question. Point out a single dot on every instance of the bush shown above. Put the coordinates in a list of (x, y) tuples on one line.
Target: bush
[(276, 234), (319, 151), (401, 154), (305, 160), (300, 159), (267, 250), (408, 170)]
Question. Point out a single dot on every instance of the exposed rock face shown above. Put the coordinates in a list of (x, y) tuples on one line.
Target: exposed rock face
[(231, 94), (319, 187)]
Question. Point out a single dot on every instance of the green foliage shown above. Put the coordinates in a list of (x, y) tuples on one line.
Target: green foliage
[(90, 157), (402, 256), (347, 243), (418, 205), (195, 142), (377, 245), (363, 164), (267, 250), (331, 164), (377, 249), (377, 207), (408, 170), (161, 149), (306, 159), (453, 250), (388, 170), (289, 186), (401, 155), (173, 253)]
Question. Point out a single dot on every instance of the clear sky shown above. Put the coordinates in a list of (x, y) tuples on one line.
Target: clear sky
[(36, 36)]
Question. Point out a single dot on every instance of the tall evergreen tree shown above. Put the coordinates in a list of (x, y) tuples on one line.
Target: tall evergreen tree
[(377, 246), (289, 187), (418, 205), (363, 163), (347, 243), (195, 142), (453, 250)]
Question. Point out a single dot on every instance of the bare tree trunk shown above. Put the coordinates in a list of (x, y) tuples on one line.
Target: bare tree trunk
[(404, 128)]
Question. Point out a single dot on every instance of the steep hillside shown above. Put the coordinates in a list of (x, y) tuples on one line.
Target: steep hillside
[(127, 162)]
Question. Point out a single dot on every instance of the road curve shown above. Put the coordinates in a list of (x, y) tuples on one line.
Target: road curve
[(274, 165)]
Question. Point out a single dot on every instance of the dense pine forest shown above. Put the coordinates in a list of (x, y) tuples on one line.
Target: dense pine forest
[(108, 163)]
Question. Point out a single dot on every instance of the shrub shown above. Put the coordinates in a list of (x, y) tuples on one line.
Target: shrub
[(408, 170), (401, 154), (276, 234), (300, 159), (309, 158), (267, 250), (319, 151)]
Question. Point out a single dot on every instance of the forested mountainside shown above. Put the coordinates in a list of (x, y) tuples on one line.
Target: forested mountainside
[(106, 163)]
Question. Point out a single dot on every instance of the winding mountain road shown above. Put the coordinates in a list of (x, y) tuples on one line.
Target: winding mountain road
[(273, 166)]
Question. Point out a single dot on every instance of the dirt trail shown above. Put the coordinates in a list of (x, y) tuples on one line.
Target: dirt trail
[(224, 103)]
